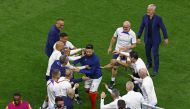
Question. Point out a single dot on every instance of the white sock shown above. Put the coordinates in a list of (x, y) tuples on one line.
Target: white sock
[(45, 104), (112, 78)]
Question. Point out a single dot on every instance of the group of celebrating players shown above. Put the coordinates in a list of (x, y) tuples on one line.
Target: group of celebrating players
[(60, 73)]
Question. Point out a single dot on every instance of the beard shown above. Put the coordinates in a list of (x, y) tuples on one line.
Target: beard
[(16, 102)]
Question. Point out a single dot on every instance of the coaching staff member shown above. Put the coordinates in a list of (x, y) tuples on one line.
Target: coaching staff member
[(53, 36), (152, 24)]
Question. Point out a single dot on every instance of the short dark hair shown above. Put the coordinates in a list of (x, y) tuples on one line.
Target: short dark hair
[(58, 99), (89, 46), (17, 94), (63, 35), (62, 51), (121, 104), (58, 19), (63, 59), (134, 54)]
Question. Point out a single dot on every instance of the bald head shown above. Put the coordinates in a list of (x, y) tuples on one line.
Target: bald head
[(126, 26), (143, 73), (129, 86), (59, 45)]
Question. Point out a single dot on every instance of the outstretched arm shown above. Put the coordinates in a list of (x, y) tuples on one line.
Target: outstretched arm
[(75, 51), (73, 58), (113, 40)]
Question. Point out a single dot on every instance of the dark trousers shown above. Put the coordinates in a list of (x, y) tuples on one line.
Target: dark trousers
[(136, 86), (155, 51), (48, 50)]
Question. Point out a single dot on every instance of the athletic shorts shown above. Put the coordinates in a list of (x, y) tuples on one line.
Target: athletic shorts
[(119, 57), (115, 56), (92, 84)]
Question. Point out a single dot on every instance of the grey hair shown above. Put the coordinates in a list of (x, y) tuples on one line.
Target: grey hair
[(143, 72), (63, 59), (127, 23), (115, 92), (129, 85), (153, 6)]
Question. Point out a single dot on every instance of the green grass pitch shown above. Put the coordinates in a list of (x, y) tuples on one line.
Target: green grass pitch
[(23, 31)]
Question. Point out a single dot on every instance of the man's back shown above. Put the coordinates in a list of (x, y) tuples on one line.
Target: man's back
[(64, 84), (139, 64), (57, 65), (133, 99), (54, 56), (52, 91), (149, 91), (68, 102)]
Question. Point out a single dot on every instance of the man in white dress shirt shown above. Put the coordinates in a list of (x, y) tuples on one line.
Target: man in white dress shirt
[(135, 62), (126, 41), (113, 105), (132, 99), (58, 51), (68, 81), (147, 88), (64, 85), (54, 56)]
